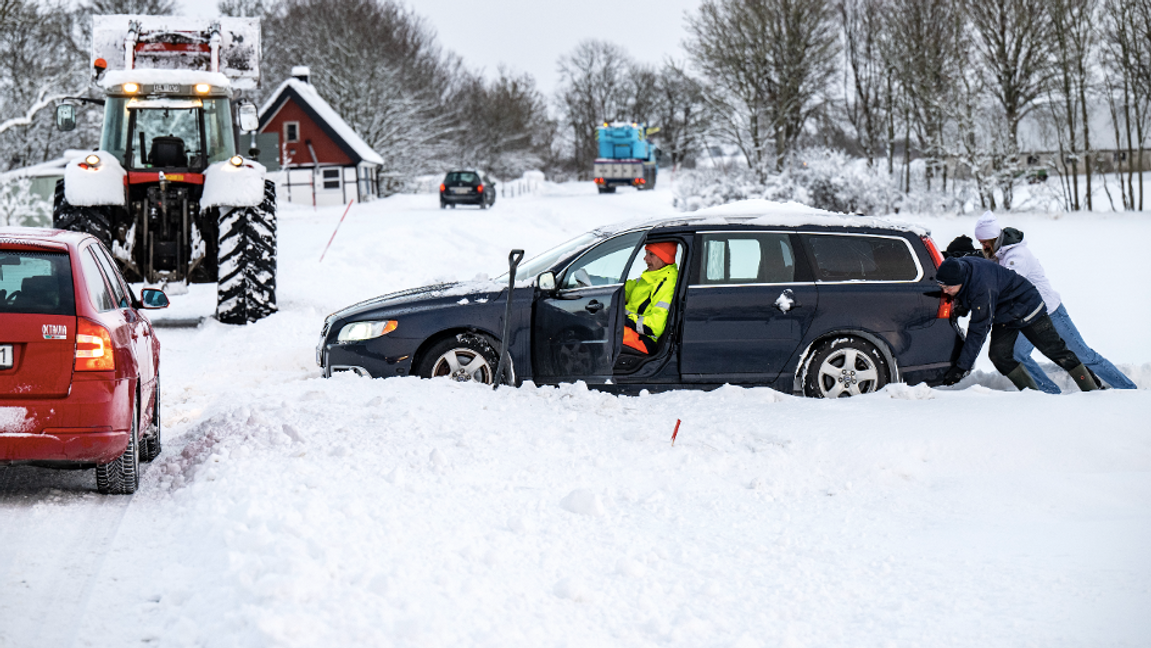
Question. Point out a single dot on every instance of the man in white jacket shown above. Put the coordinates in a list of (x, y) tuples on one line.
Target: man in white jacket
[(1005, 246)]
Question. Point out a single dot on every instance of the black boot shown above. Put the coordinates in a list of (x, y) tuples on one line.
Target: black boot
[(1021, 379), (1083, 377)]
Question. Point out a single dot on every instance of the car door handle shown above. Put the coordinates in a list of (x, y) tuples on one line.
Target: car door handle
[(593, 306)]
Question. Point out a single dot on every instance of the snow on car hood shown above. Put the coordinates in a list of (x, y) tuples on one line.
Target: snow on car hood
[(478, 291)]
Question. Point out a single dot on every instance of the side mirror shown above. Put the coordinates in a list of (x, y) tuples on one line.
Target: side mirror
[(153, 299), (546, 281), (66, 117), (249, 118)]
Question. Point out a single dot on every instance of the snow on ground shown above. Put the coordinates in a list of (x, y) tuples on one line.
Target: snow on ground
[(292, 510)]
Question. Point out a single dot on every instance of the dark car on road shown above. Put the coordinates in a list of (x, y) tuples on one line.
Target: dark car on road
[(803, 301), (79, 363), (467, 187)]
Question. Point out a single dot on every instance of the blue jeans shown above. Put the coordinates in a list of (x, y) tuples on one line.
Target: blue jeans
[(1092, 360)]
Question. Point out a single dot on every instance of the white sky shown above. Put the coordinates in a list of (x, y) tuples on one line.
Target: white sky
[(531, 35)]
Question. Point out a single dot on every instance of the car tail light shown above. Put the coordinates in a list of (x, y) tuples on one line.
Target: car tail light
[(480, 188), (443, 188), (599, 180), (93, 347), (944, 311), (935, 255)]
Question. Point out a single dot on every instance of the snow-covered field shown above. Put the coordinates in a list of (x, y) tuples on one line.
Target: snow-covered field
[(290, 510)]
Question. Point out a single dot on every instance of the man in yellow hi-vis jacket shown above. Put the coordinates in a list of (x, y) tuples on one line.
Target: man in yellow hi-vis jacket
[(648, 299)]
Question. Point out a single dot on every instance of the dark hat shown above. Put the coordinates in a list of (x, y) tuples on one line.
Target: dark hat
[(950, 272)]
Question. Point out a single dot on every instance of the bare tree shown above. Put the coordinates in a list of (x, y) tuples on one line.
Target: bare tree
[(1072, 40), (769, 62), (505, 125), (595, 87), (38, 66), (866, 102), (681, 113), (1127, 39), (1011, 38), (925, 49), (379, 66), (144, 7)]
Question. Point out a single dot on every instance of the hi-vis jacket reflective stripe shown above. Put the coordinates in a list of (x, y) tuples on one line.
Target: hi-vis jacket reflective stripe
[(649, 300)]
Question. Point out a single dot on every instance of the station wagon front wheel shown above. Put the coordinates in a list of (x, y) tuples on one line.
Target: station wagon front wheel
[(845, 367), (463, 358)]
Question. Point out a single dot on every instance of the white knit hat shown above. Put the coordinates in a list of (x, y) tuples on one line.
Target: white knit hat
[(987, 227)]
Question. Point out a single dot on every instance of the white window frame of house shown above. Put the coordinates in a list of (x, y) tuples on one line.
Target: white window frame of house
[(288, 125)]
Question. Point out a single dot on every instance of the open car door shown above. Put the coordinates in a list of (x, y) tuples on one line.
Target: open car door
[(575, 327)]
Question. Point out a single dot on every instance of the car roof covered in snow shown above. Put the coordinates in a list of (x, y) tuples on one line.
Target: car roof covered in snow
[(767, 213)]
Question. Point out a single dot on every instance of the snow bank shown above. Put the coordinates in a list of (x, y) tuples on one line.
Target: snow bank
[(100, 185)]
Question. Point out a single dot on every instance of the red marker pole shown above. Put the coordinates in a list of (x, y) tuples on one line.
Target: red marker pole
[(336, 230), (677, 421)]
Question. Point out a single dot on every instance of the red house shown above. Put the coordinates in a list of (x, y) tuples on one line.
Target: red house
[(323, 161)]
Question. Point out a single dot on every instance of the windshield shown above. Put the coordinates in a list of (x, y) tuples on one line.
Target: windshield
[(546, 261), (177, 123)]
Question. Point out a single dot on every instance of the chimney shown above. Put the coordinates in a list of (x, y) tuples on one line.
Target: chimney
[(301, 72)]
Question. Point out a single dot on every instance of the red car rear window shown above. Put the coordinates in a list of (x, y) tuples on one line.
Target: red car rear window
[(36, 282)]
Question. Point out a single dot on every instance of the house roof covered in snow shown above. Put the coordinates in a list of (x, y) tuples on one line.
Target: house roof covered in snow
[(324, 115)]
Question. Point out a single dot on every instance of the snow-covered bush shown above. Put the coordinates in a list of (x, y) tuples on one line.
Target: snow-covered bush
[(19, 205), (818, 177)]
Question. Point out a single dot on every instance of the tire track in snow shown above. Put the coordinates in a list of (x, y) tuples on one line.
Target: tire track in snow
[(55, 534)]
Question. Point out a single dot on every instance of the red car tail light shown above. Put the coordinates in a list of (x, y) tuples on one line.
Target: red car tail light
[(935, 255), (93, 347), (944, 311), (443, 188), (480, 188)]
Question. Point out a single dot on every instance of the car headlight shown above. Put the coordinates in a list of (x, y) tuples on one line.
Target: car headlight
[(365, 330)]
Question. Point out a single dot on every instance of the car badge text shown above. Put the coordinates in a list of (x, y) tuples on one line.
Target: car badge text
[(55, 332)]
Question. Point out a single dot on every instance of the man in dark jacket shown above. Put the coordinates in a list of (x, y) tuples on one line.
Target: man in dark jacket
[(1003, 303)]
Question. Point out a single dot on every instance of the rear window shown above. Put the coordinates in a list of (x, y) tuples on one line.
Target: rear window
[(465, 177), (36, 282), (862, 258)]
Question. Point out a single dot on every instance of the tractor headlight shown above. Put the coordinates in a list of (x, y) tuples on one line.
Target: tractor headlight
[(357, 331), (236, 160), (203, 88), (92, 161), (131, 88)]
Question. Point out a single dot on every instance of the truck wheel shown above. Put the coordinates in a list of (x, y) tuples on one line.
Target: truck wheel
[(247, 261), (95, 220)]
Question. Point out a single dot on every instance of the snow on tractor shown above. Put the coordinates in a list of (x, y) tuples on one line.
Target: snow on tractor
[(166, 192)]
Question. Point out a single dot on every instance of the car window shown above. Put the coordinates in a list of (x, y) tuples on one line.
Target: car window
[(36, 282), (604, 264), (862, 258), (746, 258), (465, 177), (638, 265), (119, 290), (94, 282)]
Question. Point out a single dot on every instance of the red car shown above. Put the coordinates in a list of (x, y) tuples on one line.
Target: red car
[(79, 363)]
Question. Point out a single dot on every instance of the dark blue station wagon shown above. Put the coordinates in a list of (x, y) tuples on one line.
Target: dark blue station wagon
[(800, 300)]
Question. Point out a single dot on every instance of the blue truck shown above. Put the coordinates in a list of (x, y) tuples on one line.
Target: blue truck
[(627, 158)]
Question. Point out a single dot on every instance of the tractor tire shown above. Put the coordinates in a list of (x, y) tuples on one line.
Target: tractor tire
[(95, 220), (246, 291)]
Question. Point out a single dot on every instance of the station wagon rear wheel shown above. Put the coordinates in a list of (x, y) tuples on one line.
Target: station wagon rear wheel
[(121, 476), (845, 366), (463, 358)]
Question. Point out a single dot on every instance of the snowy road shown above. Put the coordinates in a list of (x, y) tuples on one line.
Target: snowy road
[(289, 510)]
